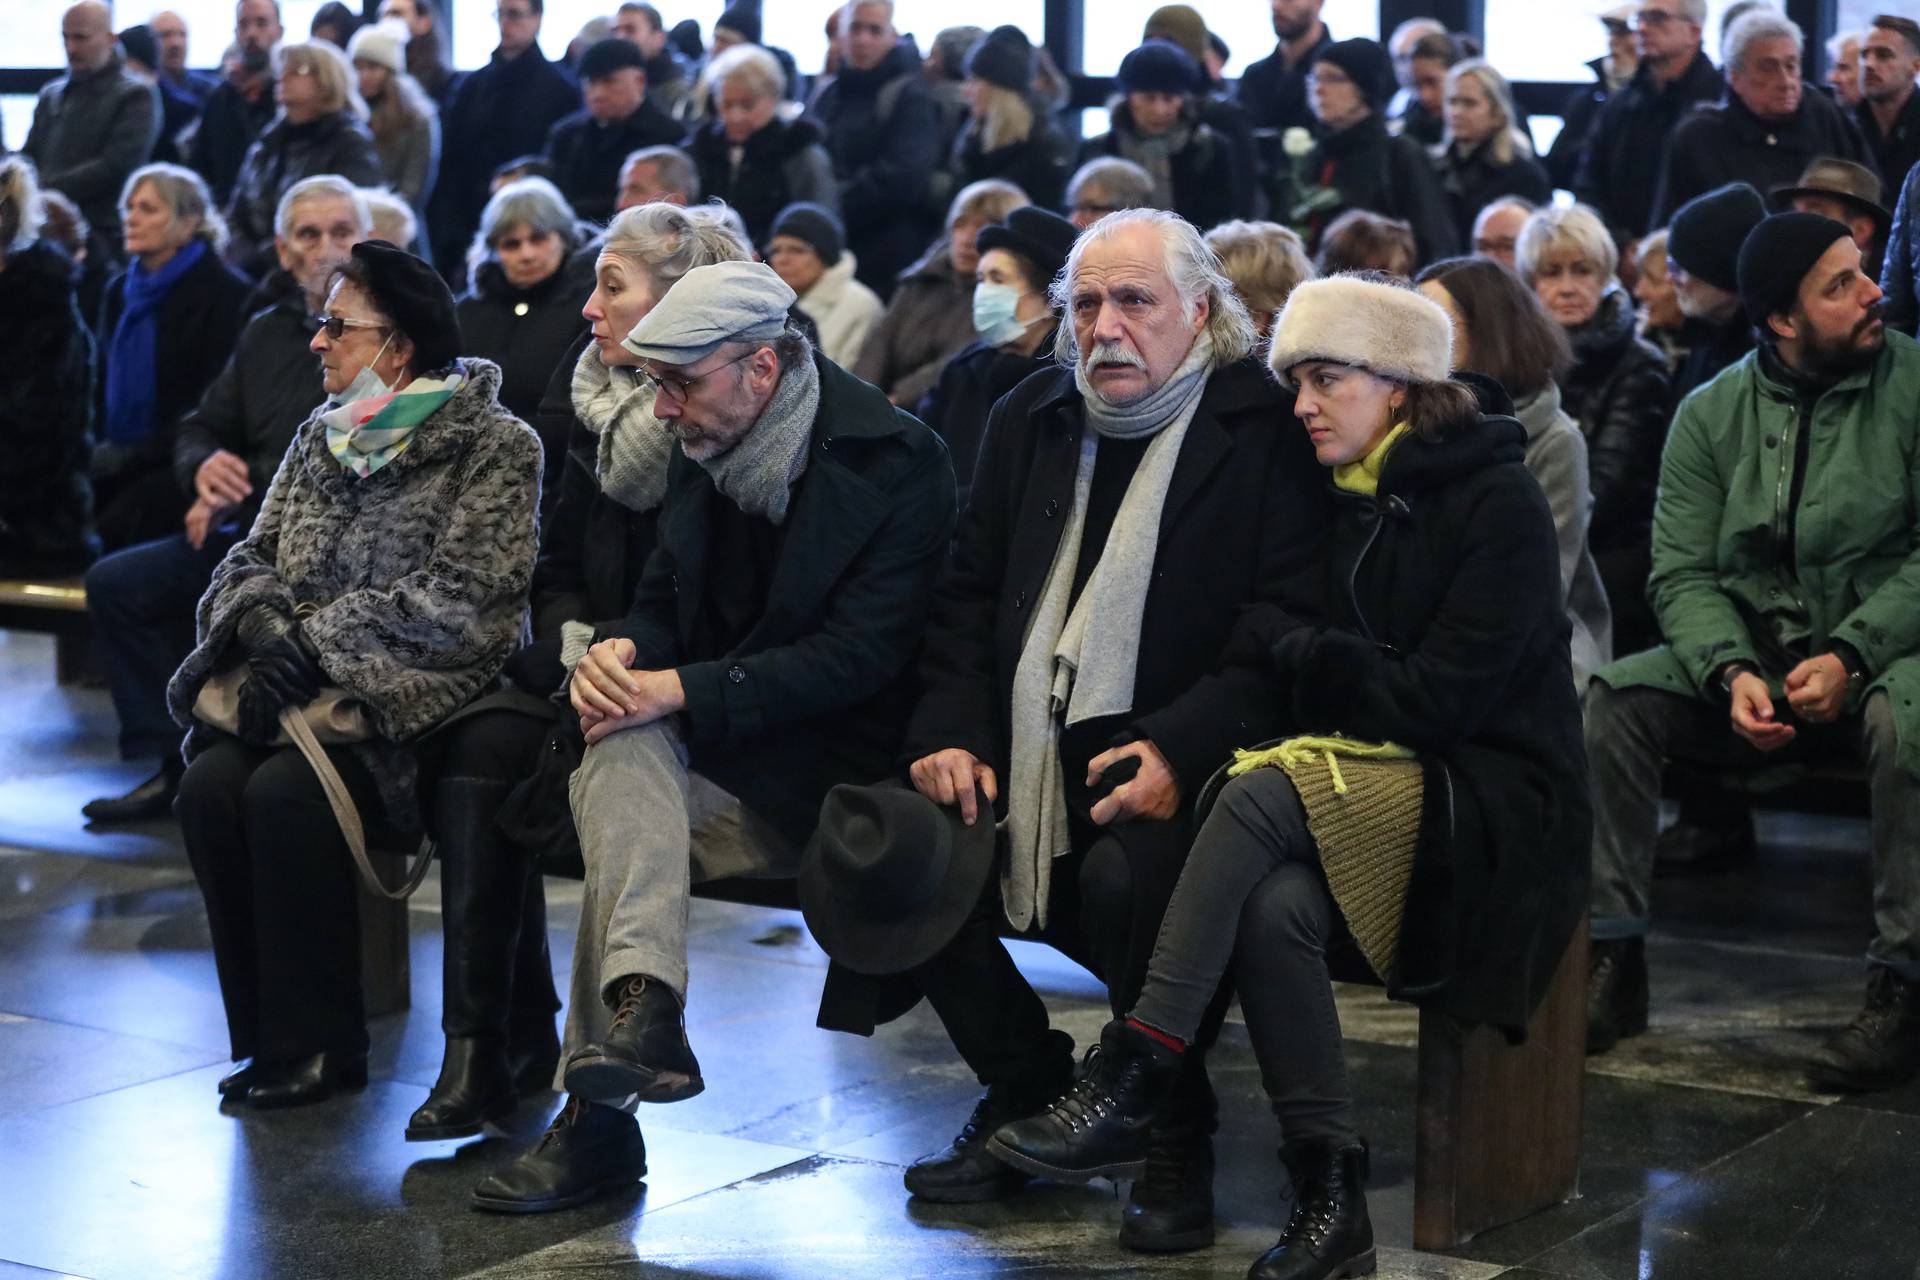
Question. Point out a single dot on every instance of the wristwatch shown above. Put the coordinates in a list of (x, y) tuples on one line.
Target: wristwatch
[(1733, 671)]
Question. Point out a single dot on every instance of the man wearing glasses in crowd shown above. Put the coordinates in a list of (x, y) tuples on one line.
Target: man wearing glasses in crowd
[(501, 111)]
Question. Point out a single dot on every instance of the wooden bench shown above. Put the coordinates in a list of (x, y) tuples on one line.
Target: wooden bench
[(1497, 1134), (55, 606)]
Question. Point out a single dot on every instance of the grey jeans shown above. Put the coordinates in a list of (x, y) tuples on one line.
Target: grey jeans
[(649, 831), (1633, 733)]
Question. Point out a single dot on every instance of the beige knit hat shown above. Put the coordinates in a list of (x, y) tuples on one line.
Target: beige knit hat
[(1388, 329), (382, 43)]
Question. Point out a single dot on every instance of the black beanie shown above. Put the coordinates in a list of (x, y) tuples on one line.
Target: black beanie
[(1159, 66), (1004, 56), (1367, 65), (412, 295), (1777, 256), (742, 19), (1706, 233), (604, 57), (138, 44), (816, 224)]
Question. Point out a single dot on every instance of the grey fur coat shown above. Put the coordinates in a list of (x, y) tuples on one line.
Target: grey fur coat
[(417, 576)]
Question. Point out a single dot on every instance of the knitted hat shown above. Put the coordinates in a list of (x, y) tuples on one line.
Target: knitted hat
[(1705, 234), (411, 294), (605, 57), (1004, 56), (1386, 329), (140, 46), (1367, 65), (1039, 235), (1182, 25), (818, 225), (381, 44), (1777, 256), (1159, 67), (743, 20), (719, 303)]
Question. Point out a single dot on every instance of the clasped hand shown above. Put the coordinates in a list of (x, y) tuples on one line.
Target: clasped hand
[(610, 695), (956, 777), (1816, 691)]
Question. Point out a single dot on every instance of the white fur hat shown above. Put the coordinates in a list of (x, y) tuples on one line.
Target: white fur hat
[(382, 44), (1386, 329)]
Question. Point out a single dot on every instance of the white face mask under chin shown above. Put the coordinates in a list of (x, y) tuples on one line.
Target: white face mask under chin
[(366, 384)]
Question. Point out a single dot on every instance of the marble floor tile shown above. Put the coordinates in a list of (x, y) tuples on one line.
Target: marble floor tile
[(47, 1063)]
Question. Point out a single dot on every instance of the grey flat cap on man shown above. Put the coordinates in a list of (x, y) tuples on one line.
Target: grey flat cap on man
[(709, 307)]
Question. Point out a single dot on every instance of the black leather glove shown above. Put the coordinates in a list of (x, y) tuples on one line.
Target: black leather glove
[(258, 719), (283, 662)]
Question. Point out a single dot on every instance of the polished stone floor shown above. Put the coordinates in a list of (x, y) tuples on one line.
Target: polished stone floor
[(1705, 1156)]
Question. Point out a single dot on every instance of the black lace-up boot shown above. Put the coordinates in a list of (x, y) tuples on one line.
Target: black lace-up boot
[(1328, 1235), (1881, 1048), (964, 1172), (588, 1151), (645, 1052), (1101, 1127)]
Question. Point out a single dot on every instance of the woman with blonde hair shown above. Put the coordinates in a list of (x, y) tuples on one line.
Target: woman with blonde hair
[(46, 405), (1004, 136), (402, 118), (321, 128), (167, 325), (1485, 153), (1266, 263)]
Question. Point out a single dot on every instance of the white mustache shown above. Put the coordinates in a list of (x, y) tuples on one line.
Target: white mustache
[(1113, 353)]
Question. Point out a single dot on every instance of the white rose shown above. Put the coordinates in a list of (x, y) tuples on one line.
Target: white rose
[(1296, 142)]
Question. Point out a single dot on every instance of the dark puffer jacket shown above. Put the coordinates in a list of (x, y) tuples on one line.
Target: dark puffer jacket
[(46, 416), (1037, 164), (527, 333), (1446, 636), (286, 153), (1618, 392), (781, 163)]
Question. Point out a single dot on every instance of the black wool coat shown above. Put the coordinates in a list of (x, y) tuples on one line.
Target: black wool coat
[(1037, 164), (527, 333), (1474, 179), (1387, 175), (963, 397), (46, 408), (816, 693), (1446, 635), (1245, 515), (1726, 143), (1628, 143), (1206, 188), (587, 154)]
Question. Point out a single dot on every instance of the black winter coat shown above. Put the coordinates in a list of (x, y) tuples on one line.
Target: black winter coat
[(46, 412), (962, 398), (1710, 349), (286, 153), (1576, 122), (1037, 164), (818, 690), (199, 325), (527, 333), (1895, 152), (1447, 636), (1375, 171), (269, 387), (1628, 145), (229, 125), (500, 111), (1474, 180), (1206, 190), (1245, 516), (587, 155), (1726, 143), (782, 162), (1618, 392), (1275, 94), (882, 129)]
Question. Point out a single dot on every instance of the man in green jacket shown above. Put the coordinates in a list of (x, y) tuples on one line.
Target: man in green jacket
[(1786, 577)]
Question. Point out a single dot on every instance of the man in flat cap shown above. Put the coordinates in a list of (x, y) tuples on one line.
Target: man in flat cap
[(766, 658), (1786, 576)]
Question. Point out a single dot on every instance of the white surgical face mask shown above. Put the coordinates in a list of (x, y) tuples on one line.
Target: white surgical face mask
[(994, 313), (366, 384)]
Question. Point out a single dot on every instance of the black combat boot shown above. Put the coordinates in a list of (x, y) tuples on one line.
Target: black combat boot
[(1881, 1048), (1100, 1128), (1328, 1235), (964, 1172), (645, 1052), (588, 1151)]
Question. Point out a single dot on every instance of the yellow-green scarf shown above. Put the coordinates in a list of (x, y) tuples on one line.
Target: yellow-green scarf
[(1364, 476)]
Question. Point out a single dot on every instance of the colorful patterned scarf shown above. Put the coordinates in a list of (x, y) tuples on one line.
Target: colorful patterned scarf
[(365, 435)]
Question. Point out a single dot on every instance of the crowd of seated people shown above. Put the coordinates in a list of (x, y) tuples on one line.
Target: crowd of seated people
[(663, 441)]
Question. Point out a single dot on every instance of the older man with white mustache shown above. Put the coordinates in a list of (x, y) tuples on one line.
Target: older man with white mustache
[(1134, 517)]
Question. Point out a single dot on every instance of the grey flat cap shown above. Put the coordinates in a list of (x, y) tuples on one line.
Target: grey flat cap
[(711, 305)]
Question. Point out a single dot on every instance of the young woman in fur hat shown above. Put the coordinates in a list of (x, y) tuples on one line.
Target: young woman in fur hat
[(1432, 815)]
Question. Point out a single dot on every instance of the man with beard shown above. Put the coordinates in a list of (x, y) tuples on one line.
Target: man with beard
[(1889, 110), (242, 105), (1274, 89), (1786, 576), (225, 455)]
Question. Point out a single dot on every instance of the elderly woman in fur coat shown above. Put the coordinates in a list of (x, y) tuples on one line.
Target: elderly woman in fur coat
[(391, 559)]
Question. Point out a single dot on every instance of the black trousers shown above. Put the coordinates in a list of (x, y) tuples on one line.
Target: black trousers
[(281, 894), (1108, 897)]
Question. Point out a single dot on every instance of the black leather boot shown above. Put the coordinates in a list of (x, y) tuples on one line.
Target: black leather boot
[(305, 1081), (1170, 1207), (965, 1172), (483, 881), (1100, 1128), (1616, 991), (235, 1084), (645, 1052), (588, 1151), (533, 1046), (151, 800), (1328, 1234), (1881, 1047)]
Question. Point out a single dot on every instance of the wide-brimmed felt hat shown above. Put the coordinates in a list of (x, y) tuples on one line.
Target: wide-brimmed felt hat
[(1853, 185), (889, 876)]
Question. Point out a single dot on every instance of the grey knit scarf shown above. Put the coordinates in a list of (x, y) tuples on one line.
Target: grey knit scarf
[(758, 474), (616, 404), (1154, 153), (1079, 664)]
